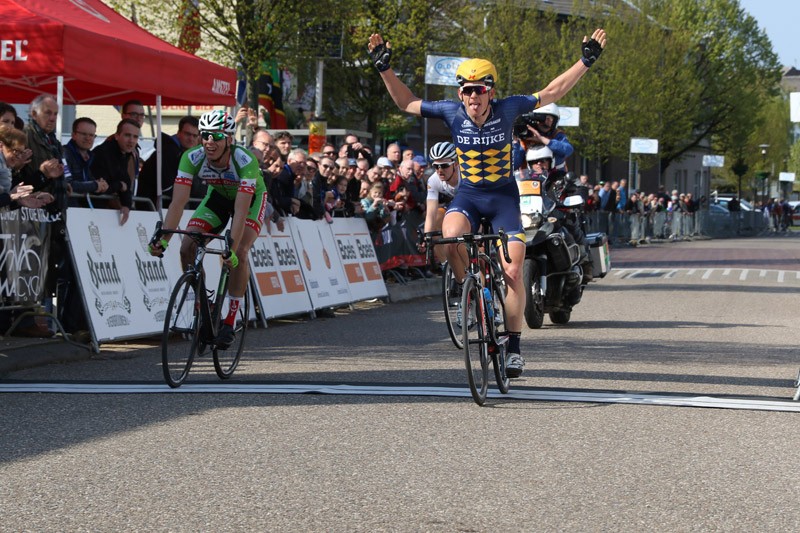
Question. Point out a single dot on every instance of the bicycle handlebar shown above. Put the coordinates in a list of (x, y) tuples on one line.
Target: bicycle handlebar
[(468, 238), (200, 238)]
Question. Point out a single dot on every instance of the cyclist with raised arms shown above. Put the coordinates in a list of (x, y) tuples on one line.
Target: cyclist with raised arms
[(482, 126), (442, 185), (235, 187)]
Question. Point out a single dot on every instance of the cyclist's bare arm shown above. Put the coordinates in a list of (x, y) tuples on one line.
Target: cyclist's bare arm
[(567, 80), (180, 195), (241, 206), (399, 91), (431, 208)]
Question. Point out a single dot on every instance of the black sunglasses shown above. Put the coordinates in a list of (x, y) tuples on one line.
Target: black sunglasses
[(216, 135), (439, 166), (329, 167), (474, 89)]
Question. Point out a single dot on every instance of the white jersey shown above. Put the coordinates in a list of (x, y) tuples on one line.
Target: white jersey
[(439, 190)]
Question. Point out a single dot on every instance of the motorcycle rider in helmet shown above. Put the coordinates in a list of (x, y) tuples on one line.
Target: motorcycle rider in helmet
[(539, 127), (540, 160)]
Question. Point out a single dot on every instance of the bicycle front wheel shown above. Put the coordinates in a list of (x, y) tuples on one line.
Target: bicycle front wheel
[(500, 344), (181, 330), (226, 361), (450, 300), (475, 340)]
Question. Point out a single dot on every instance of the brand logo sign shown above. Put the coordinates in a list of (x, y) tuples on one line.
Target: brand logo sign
[(441, 70), (11, 50), (221, 87)]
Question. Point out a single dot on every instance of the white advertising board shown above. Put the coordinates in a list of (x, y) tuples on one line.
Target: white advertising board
[(441, 70), (786, 176), (794, 107), (569, 116), (716, 161), (125, 289), (644, 146), (358, 258), (278, 278), (323, 272)]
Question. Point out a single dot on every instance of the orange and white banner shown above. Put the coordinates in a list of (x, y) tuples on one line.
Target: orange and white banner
[(279, 280), (326, 282), (358, 258)]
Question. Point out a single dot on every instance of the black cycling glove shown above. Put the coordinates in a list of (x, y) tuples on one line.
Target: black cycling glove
[(590, 51), (380, 56)]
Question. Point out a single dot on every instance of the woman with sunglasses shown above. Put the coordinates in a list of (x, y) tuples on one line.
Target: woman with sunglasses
[(482, 126), (235, 187)]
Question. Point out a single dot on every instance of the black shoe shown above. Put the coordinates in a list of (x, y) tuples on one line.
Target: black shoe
[(225, 337)]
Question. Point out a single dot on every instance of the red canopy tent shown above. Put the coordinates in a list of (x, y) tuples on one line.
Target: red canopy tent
[(102, 57), (84, 52)]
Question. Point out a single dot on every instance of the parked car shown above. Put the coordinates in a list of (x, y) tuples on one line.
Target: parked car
[(744, 204), (795, 212)]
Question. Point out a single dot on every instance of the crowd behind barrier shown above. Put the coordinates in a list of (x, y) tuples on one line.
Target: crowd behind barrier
[(388, 193)]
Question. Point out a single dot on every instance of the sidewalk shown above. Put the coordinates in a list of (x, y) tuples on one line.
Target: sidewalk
[(17, 353)]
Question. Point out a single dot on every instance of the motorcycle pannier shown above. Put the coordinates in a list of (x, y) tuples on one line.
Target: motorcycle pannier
[(601, 260)]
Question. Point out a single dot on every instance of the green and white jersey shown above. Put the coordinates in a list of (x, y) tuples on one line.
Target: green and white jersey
[(242, 175)]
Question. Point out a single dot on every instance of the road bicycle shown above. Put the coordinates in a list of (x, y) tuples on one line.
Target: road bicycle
[(483, 305), (451, 295), (194, 315)]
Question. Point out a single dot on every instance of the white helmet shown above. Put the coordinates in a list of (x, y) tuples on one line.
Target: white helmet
[(442, 150), (548, 110), (217, 120), (535, 153)]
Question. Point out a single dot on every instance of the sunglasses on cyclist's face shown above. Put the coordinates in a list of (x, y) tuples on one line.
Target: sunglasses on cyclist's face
[(476, 89), (540, 162), (216, 135), (440, 166)]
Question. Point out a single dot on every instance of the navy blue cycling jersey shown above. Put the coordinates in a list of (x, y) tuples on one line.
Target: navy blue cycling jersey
[(484, 154)]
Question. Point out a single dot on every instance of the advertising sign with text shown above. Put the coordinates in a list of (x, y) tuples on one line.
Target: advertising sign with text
[(358, 258), (326, 282), (279, 279)]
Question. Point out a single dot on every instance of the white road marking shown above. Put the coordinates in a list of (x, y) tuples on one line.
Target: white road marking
[(743, 275), (691, 272), (708, 273), (780, 276), (683, 400), (726, 272)]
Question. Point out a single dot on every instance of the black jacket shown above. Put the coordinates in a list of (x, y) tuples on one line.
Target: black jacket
[(112, 165)]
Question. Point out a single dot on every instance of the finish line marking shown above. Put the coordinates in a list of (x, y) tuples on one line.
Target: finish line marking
[(582, 396)]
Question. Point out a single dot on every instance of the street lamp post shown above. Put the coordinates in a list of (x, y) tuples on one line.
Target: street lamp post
[(764, 148)]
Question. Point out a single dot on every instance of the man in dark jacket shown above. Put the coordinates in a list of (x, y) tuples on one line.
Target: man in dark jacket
[(115, 162)]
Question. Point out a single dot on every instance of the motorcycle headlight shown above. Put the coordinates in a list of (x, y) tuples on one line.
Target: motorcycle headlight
[(527, 221)]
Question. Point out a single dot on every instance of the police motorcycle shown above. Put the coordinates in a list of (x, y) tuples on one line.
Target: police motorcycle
[(558, 263)]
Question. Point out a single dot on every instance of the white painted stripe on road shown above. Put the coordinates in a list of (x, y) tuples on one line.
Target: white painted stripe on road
[(383, 390), (708, 273), (671, 273), (726, 272), (762, 274), (743, 275), (780, 276), (691, 272), (620, 271)]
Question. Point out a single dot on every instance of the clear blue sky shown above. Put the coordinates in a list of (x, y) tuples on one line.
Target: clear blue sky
[(781, 20)]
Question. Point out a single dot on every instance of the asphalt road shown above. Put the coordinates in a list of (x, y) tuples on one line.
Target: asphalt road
[(312, 462)]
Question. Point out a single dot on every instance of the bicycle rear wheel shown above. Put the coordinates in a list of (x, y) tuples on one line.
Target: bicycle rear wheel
[(450, 301), (181, 334), (474, 338), (226, 361)]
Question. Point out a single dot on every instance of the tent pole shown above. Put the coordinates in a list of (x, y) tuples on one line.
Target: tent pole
[(60, 102), (159, 151)]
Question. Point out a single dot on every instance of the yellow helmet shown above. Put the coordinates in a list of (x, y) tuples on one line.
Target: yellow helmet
[(476, 70)]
